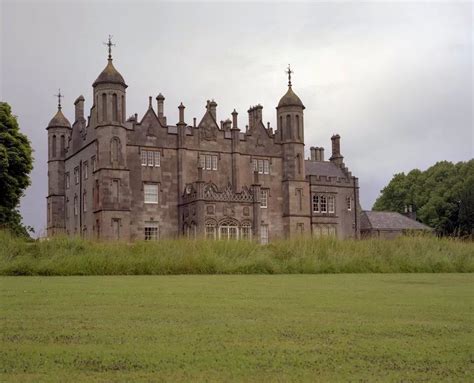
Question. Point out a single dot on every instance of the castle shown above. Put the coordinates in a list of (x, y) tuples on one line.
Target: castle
[(115, 178)]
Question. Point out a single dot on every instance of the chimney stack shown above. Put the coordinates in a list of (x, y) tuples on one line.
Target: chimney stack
[(312, 149), (160, 102), (234, 119), (321, 154), (212, 108), (79, 107), (336, 150), (181, 113)]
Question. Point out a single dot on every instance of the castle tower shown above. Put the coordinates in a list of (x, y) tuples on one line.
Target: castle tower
[(290, 122), (113, 213), (59, 131)]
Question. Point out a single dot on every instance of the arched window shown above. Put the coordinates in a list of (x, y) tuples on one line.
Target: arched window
[(63, 144), (229, 229), (123, 108), (114, 149), (288, 126), (114, 107), (298, 132), (53, 144), (281, 127), (104, 107)]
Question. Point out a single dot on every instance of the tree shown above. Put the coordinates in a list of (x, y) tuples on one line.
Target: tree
[(16, 163), (442, 196)]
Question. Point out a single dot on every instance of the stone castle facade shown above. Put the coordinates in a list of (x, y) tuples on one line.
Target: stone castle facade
[(115, 178)]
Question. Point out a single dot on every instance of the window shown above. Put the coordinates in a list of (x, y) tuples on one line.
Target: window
[(144, 157), (94, 163), (115, 190), (208, 161), (157, 159), (114, 149), (151, 159), (151, 193), (85, 168), (123, 108), (104, 107), (54, 146), (68, 182), (349, 203), (263, 198), (76, 207), (151, 231), (246, 231), (264, 234), (331, 204), (315, 203), (300, 228), (211, 230), (114, 107), (323, 204), (298, 131), (63, 144), (84, 201), (76, 175), (228, 230), (299, 193), (261, 166)]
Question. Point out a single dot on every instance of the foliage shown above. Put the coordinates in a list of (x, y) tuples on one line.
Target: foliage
[(66, 256), (16, 163), (442, 196), (237, 328)]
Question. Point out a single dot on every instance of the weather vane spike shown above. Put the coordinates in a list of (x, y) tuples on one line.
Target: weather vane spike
[(289, 72), (110, 45), (59, 96)]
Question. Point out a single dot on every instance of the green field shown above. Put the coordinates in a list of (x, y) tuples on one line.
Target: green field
[(345, 327)]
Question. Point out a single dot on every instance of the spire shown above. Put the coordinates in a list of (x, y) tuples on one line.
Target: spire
[(289, 72), (110, 45), (59, 96)]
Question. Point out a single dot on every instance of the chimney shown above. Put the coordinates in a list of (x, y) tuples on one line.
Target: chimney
[(160, 100), (251, 113), (181, 114), (194, 122), (234, 119), (258, 113), (312, 149), (150, 106), (212, 108), (336, 150), (227, 124), (321, 154), (79, 104)]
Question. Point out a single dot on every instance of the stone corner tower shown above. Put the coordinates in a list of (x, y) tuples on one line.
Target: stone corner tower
[(290, 122), (59, 131)]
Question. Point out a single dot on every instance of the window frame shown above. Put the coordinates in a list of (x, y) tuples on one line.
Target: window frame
[(146, 194)]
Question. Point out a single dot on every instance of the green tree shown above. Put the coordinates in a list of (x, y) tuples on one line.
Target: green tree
[(442, 196), (16, 163)]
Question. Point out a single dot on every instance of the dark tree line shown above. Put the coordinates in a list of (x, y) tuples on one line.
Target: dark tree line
[(16, 163), (442, 196)]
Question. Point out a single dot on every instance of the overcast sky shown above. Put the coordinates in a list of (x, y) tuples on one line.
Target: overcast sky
[(393, 79)]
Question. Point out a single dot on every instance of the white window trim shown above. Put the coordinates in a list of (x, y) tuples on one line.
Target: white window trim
[(145, 194), (264, 200)]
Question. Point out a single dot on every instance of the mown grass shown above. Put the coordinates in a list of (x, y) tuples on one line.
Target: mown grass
[(66, 256), (252, 328)]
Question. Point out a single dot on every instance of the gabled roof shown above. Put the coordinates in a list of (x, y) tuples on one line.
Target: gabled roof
[(322, 168), (389, 220)]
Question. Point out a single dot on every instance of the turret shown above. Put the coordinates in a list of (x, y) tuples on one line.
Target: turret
[(109, 94), (59, 130)]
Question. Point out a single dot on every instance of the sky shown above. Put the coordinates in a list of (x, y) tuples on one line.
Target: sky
[(395, 80)]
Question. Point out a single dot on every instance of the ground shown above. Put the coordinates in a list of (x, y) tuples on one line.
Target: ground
[(346, 327)]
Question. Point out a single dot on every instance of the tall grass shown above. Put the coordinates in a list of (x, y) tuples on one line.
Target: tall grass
[(73, 256)]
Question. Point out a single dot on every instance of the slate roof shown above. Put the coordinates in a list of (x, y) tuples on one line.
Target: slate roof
[(109, 75), (322, 168), (59, 120), (389, 220), (290, 99)]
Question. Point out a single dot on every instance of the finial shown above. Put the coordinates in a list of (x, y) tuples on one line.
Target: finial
[(110, 45), (59, 96), (289, 72)]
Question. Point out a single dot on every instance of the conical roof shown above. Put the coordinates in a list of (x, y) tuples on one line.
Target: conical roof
[(290, 99), (109, 75), (59, 121)]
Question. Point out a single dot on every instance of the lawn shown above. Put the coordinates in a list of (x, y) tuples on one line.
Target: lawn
[(345, 327)]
